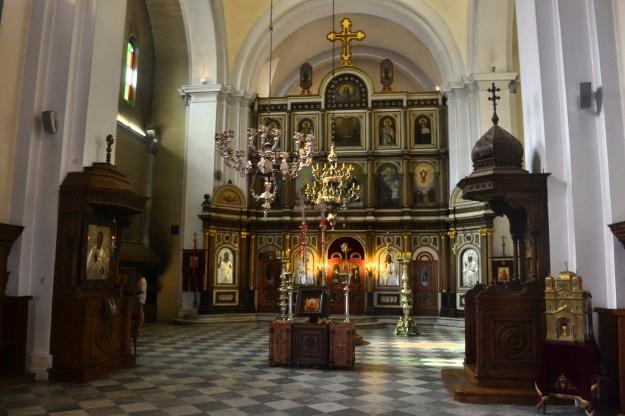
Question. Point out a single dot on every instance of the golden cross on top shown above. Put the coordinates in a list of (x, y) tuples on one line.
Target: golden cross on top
[(346, 36)]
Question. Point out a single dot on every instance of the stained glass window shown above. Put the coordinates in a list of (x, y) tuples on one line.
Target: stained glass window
[(130, 77)]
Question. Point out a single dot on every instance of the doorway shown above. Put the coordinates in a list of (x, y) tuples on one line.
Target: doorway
[(425, 284), (267, 282)]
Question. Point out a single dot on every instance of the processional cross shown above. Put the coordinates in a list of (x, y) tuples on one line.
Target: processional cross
[(346, 36)]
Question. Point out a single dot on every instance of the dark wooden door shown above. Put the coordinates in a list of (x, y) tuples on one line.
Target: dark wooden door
[(268, 282), (425, 285)]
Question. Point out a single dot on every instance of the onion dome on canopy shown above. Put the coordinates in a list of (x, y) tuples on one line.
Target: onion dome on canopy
[(497, 148)]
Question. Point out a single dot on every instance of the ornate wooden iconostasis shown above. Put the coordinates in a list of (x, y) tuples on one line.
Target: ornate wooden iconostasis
[(397, 143), (91, 311)]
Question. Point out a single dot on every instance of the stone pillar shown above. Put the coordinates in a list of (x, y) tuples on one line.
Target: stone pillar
[(460, 132), (560, 137)]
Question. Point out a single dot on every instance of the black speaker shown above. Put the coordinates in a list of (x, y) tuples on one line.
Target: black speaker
[(585, 94), (49, 121)]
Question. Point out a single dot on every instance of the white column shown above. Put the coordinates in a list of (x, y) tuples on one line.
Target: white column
[(460, 131), (506, 106), (57, 76), (210, 109), (202, 122), (105, 79), (565, 43)]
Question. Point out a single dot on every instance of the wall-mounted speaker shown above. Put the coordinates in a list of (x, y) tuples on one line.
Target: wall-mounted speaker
[(49, 121), (585, 94)]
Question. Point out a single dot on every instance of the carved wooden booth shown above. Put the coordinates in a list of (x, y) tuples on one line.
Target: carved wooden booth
[(13, 313), (612, 345), (91, 315), (504, 327)]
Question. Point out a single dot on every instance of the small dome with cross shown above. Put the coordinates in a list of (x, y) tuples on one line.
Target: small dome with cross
[(497, 148)]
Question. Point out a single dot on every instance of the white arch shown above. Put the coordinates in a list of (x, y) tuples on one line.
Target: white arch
[(290, 15), (424, 249), (405, 65), (206, 42)]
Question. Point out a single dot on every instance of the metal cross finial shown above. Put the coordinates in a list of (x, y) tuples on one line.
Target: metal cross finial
[(109, 146), (494, 97)]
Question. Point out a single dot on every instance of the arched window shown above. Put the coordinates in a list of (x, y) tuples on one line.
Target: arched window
[(130, 76)]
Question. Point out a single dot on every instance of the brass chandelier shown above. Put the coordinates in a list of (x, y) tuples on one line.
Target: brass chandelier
[(264, 158), (333, 186)]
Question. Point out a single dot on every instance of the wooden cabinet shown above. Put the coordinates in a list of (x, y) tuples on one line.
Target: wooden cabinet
[(91, 316), (13, 334), (612, 353), (330, 345)]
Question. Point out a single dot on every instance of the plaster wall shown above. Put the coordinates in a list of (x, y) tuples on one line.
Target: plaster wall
[(168, 115), (13, 37)]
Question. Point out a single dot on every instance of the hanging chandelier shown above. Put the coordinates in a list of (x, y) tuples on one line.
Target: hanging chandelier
[(333, 186), (264, 158)]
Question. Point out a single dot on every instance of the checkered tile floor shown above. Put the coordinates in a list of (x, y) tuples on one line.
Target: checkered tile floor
[(223, 370)]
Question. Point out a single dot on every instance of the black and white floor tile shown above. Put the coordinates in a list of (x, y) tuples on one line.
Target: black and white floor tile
[(223, 370)]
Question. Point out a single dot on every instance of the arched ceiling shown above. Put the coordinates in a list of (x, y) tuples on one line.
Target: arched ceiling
[(414, 66)]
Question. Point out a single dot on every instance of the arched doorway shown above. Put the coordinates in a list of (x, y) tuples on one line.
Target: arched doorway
[(355, 266), (267, 282), (425, 283)]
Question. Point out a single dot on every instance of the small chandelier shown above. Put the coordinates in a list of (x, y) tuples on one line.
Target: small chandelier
[(333, 186), (264, 158)]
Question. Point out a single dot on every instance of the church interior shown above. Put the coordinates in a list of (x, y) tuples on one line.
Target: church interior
[(293, 207)]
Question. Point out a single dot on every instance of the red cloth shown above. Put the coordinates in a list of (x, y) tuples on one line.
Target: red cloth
[(568, 368)]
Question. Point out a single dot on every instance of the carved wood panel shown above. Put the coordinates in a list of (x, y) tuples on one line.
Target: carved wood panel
[(342, 352), (310, 344), (280, 343)]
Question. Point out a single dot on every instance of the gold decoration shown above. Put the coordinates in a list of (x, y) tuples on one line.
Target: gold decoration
[(567, 309), (346, 36)]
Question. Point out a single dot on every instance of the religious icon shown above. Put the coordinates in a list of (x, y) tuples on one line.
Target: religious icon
[(470, 268), (312, 304), (386, 75), (389, 270), (388, 186), (304, 270), (423, 130), (346, 91), (99, 244), (503, 274), (269, 272), (424, 275), (305, 126), (336, 273), (423, 183), (272, 123), (387, 131), (305, 78), (225, 267), (347, 131), (355, 278)]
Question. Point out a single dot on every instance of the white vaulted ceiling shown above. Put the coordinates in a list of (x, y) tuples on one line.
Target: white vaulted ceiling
[(414, 67)]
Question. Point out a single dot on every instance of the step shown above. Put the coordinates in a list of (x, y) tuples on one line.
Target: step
[(360, 321)]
